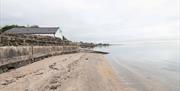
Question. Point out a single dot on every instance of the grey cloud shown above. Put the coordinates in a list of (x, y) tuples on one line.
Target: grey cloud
[(97, 20)]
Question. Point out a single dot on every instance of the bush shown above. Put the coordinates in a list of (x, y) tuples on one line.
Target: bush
[(7, 27)]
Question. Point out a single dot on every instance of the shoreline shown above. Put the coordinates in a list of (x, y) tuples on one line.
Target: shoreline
[(68, 72)]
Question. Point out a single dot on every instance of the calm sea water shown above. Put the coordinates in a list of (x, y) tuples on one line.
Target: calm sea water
[(147, 66)]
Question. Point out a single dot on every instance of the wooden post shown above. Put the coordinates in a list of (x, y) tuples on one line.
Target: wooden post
[(0, 36), (24, 42), (32, 53), (0, 39)]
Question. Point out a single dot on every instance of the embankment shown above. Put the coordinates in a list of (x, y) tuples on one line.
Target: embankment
[(16, 56)]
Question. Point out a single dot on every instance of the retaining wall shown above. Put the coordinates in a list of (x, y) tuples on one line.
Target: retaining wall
[(17, 56)]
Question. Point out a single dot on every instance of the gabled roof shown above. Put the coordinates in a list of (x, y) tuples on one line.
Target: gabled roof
[(29, 30)]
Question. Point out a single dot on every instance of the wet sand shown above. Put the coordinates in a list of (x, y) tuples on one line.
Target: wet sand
[(70, 72)]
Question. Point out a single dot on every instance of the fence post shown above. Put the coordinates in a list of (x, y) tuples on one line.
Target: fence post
[(32, 52)]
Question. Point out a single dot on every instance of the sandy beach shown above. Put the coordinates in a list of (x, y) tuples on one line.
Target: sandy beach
[(69, 72)]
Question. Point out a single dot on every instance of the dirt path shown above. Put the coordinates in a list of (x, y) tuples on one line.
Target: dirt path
[(71, 72)]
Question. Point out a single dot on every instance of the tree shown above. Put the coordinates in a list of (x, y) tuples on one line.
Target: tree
[(7, 27)]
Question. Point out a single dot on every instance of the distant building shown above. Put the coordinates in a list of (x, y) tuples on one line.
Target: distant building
[(44, 31)]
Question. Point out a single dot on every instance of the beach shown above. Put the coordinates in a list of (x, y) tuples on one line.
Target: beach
[(68, 72)]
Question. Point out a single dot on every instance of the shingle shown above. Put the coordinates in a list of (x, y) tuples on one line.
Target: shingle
[(40, 30)]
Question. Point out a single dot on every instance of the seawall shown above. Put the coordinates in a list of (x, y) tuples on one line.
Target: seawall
[(16, 56)]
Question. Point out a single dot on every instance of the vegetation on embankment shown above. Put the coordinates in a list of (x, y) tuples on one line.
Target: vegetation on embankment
[(7, 27)]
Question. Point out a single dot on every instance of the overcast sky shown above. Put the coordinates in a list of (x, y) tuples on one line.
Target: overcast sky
[(98, 20)]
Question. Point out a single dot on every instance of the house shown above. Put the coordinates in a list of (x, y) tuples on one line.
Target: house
[(44, 31)]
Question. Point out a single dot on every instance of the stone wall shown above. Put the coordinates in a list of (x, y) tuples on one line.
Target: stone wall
[(16, 56)]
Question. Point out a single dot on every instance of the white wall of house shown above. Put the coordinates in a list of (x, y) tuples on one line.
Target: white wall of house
[(59, 33)]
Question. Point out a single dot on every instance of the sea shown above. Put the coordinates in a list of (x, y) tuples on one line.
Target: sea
[(147, 65)]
